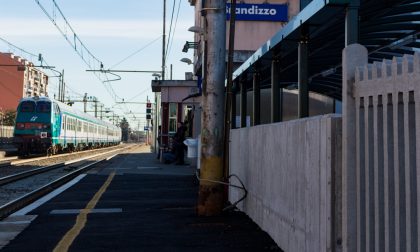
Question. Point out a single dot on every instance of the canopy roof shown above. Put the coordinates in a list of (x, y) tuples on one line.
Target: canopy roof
[(387, 28)]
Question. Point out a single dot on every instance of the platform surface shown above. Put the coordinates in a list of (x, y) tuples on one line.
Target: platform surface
[(145, 206)]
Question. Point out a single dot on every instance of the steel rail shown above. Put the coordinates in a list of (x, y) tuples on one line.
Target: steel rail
[(12, 206), (21, 175), (15, 177)]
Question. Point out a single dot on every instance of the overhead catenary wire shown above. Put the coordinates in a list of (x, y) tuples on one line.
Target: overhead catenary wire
[(69, 90), (170, 28), (171, 38), (135, 52), (79, 47)]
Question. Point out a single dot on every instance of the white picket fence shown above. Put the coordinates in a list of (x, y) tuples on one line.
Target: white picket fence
[(382, 181)]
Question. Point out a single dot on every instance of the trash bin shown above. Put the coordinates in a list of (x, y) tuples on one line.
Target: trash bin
[(191, 143)]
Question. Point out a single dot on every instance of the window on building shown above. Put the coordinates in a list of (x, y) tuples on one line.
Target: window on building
[(173, 107)]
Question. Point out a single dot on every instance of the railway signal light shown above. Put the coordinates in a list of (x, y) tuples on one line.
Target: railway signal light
[(148, 110)]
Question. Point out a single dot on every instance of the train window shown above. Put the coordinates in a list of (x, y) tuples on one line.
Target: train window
[(43, 107), (27, 106)]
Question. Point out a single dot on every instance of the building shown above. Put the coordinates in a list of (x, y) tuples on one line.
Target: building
[(180, 100), (251, 29), (177, 102), (19, 78)]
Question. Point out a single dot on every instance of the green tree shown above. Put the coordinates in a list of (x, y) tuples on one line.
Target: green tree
[(9, 118), (124, 129)]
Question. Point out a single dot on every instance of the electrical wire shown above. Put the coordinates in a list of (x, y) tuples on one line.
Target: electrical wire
[(242, 187), (170, 43), (170, 28), (79, 47), (137, 51)]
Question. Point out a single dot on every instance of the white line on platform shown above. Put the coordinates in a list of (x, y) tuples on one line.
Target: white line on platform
[(47, 197)]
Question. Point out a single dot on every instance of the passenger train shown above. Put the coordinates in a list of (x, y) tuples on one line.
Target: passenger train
[(44, 125)]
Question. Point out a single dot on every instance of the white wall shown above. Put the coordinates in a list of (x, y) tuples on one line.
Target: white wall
[(290, 170)]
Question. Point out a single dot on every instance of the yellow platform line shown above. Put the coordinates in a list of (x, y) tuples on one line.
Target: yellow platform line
[(81, 220)]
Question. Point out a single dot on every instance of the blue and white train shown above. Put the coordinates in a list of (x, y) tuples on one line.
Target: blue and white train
[(44, 125)]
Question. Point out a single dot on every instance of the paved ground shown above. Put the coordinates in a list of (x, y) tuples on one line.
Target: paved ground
[(146, 206)]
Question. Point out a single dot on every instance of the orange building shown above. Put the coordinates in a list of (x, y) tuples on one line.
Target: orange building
[(18, 79)]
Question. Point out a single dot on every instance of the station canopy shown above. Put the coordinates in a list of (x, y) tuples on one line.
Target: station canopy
[(387, 28)]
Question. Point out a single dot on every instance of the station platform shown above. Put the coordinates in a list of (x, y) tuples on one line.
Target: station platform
[(130, 203)]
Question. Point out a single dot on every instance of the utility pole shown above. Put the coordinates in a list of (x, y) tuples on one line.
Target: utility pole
[(211, 195), (85, 103), (96, 107), (228, 105), (63, 89), (164, 40)]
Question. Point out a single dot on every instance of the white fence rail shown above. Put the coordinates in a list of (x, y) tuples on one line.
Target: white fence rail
[(383, 179)]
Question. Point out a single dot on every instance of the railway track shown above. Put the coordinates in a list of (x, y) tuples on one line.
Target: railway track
[(20, 189), (14, 166)]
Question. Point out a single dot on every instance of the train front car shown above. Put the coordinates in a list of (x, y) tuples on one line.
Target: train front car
[(33, 129)]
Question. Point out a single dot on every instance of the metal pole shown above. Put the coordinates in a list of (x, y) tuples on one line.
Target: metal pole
[(210, 198), (84, 102), (59, 86), (164, 40), (243, 103), (233, 124), (275, 91), (96, 108), (256, 101), (228, 105), (63, 91), (352, 23), (303, 74)]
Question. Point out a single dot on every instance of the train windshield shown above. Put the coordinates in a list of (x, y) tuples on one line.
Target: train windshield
[(27, 106), (43, 107)]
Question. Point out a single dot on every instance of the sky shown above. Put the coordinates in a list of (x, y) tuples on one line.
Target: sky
[(123, 35)]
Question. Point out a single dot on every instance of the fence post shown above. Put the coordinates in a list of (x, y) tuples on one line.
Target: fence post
[(353, 55)]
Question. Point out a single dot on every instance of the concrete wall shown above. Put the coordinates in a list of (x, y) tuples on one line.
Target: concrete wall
[(290, 170)]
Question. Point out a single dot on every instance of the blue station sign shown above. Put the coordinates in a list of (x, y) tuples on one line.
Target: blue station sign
[(259, 12)]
